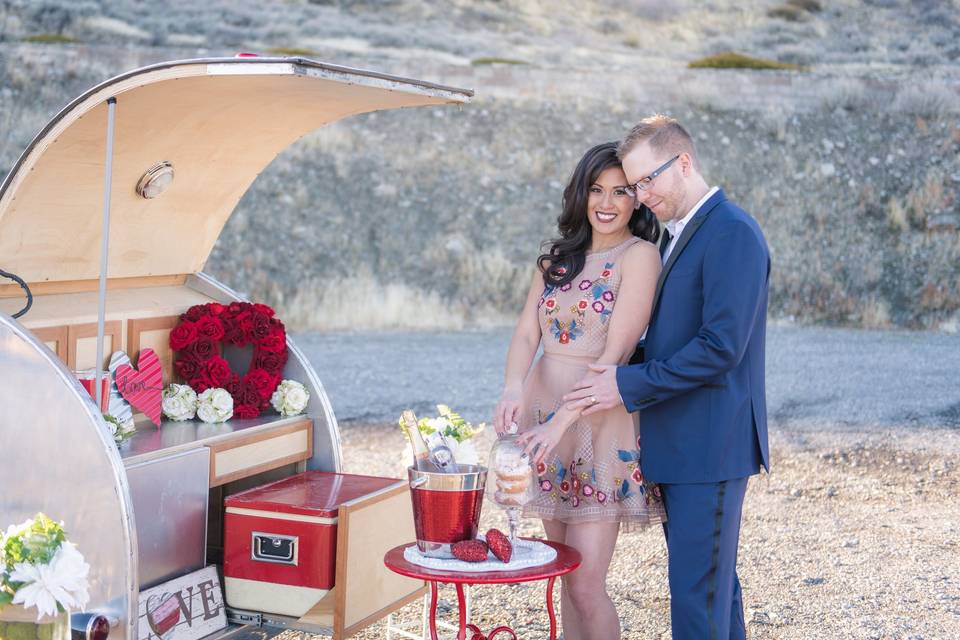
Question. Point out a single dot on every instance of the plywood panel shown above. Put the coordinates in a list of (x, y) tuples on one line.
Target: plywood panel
[(82, 344), (366, 589), (260, 451), (56, 338), (219, 126), (153, 333)]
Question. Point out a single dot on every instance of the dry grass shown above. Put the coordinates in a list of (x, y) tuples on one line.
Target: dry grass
[(293, 52), (50, 38)]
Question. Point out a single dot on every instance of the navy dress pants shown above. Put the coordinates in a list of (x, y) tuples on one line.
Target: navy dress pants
[(703, 531)]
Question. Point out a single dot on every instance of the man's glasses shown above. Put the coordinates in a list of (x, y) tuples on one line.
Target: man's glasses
[(644, 183)]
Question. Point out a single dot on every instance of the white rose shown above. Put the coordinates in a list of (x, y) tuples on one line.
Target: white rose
[(179, 402), (215, 405), (290, 398)]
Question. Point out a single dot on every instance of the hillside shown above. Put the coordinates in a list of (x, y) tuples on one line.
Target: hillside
[(432, 218)]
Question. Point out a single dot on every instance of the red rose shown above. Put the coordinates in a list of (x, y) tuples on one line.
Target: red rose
[(261, 327), (218, 371), (202, 349), (187, 369), (276, 341), (235, 307), (200, 384), (270, 361), (233, 334), (196, 312), (264, 309), (216, 308), (263, 382), (246, 411), (182, 335), (248, 395), (233, 386), (211, 327)]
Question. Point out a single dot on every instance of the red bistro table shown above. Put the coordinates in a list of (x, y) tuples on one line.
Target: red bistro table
[(566, 561)]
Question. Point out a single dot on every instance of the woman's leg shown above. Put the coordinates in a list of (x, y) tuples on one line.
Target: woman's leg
[(557, 531), (587, 586)]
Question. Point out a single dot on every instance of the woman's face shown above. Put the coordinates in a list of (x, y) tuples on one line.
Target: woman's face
[(609, 206)]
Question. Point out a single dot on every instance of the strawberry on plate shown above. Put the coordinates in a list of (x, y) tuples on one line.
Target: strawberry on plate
[(470, 550), (499, 544)]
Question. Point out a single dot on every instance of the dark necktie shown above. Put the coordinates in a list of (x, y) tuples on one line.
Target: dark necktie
[(664, 242)]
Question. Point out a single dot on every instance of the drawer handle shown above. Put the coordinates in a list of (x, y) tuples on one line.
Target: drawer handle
[(270, 547)]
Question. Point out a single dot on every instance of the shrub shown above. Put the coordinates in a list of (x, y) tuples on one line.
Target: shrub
[(492, 60), (50, 38), (813, 6), (733, 60), (293, 52), (788, 12)]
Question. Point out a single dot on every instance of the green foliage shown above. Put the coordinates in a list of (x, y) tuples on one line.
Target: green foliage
[(35, 543), (733, 60), (492, 60), (50, 38), (293, 52)]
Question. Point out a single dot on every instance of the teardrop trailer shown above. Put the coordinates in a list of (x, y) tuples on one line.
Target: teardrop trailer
[(110, 216)]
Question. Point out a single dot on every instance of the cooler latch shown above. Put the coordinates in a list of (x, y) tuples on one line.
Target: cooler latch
[(271, 547)]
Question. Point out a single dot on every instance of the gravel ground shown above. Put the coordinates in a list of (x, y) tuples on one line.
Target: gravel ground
[(852, 535)]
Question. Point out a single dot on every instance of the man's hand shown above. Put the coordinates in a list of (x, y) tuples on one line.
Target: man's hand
[(597, 391)]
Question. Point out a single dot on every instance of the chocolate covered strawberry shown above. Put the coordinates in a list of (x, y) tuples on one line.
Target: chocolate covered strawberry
[(470, 550), (499, 544)]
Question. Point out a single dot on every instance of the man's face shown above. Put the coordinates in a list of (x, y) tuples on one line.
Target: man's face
[(666, 194)]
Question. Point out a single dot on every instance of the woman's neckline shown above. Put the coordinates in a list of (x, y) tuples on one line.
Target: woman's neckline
[(614, 247)]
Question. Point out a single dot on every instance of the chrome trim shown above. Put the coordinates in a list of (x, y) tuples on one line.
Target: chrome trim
[(471, 477), (257, 538)]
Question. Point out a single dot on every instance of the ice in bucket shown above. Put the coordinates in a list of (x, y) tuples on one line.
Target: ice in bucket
[(446, 507)]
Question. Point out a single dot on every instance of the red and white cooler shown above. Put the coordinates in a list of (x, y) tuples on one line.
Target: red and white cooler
[(280, 540)]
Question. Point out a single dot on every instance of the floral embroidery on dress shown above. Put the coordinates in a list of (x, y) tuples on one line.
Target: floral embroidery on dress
[(575, 486), (564, 332), (599, 295)]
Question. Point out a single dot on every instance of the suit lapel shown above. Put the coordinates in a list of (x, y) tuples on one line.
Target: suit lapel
[(684, 239)]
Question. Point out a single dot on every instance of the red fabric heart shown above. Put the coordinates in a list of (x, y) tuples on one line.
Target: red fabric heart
[(142, 388)]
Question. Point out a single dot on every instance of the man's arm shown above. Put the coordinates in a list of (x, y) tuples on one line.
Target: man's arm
[(735, 277)]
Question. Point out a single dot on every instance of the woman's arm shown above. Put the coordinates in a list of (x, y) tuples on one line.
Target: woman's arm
[(523, 348), (640, 268)]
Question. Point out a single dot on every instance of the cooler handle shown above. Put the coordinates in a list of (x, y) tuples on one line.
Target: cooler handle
[(272, 547)]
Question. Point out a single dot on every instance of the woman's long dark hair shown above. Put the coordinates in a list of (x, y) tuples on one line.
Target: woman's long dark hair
[(568, 253)]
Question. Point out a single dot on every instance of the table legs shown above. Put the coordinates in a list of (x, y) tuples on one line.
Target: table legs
[(477, 634)]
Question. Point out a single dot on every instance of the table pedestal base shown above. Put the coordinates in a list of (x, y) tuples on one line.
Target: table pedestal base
[(477, 634)]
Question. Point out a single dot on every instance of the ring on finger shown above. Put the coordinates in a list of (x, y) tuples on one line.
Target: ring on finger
[(593, 400)]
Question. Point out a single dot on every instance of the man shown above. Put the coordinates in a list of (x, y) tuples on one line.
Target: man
[(700, 389)]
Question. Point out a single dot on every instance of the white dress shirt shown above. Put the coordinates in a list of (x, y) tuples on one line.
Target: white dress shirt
[(675, 227)]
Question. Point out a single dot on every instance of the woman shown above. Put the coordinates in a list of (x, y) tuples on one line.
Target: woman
[(589, 302)]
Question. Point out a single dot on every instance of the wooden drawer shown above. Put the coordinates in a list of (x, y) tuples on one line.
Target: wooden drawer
[(262, 450)]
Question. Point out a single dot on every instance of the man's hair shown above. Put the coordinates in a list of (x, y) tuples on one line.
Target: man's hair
[(665, 136)]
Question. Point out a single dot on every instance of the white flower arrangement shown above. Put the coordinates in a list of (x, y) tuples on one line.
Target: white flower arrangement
[(457, 433), (40, 569), (119, 429), (179, 402), (215, 405), (290, 398)]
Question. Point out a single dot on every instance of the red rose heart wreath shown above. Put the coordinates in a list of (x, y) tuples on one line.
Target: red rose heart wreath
[(198, 340)]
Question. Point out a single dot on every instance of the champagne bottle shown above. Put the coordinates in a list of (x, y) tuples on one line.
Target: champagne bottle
[(440, 452), (421, 452), (434, 459)]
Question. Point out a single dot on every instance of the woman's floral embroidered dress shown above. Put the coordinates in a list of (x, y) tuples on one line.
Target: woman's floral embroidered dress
[(594, 473)]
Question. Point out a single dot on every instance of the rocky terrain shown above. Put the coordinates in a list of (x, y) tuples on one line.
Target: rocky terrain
[(431, 218), (851, 536)]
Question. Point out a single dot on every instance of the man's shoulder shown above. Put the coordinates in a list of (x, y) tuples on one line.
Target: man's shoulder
[(729, 214)]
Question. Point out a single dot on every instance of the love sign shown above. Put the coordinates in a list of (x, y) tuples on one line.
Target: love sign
[(186, 608), (142, 387)]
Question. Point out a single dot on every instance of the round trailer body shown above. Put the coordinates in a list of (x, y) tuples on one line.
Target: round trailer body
[(219, 122)]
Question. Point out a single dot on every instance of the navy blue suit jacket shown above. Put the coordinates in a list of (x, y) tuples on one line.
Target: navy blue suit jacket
[(700, 391)]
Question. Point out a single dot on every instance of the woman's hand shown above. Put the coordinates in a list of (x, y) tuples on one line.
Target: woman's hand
[(507, 411), (541, 440)]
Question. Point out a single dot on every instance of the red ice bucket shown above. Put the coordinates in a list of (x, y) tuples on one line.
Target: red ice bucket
[(446, 507)]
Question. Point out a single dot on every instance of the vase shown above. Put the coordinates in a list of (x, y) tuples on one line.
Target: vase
[(17, 623)]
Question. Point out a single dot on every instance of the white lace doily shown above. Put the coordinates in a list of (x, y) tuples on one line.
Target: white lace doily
[(526, 553)]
